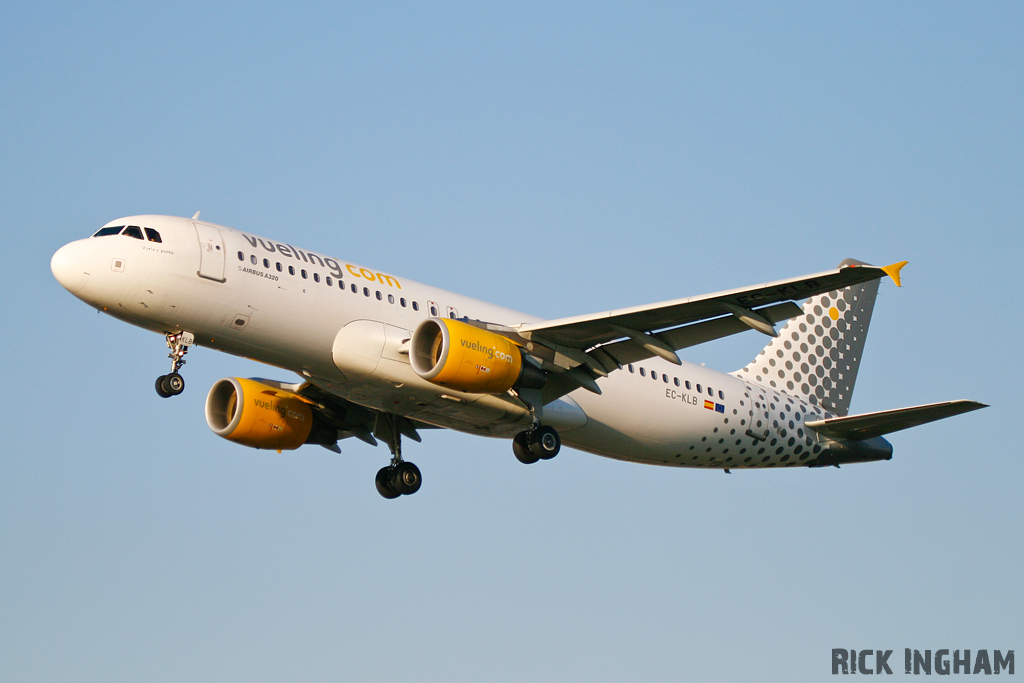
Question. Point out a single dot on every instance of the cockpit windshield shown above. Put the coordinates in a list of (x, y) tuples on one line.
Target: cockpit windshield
[(130, 231)]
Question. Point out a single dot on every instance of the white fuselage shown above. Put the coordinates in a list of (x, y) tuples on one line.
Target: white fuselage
[(340, 325)]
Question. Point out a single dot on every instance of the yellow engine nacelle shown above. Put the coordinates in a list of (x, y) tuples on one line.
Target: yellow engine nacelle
[(258, 415), (462, 357)]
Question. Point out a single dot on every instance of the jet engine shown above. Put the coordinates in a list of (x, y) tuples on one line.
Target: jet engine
[(462, 357), (261, 416)]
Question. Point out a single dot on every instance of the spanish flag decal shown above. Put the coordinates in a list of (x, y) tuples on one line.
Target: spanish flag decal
[(717, 407)]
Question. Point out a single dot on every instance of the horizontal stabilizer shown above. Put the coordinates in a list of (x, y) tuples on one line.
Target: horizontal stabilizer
[(870, 425)]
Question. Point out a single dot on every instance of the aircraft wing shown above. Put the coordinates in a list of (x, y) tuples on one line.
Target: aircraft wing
[(606, 341)]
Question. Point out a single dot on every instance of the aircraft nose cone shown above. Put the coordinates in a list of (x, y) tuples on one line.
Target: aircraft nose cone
[(71, 265)]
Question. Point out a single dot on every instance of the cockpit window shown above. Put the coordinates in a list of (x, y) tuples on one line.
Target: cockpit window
[(152, 235), (133, 231), (112, 230)]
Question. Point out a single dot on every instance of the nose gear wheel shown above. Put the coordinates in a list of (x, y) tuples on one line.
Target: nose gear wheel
[(170, 385)]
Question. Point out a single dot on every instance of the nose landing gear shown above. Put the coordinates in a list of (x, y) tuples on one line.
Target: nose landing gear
[(173, 384), (539, 443)]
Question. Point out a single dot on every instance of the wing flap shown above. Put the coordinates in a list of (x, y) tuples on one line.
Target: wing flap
[(870, 425)]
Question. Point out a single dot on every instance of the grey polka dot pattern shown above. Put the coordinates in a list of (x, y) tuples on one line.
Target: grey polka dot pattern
[(775, 435), (816, 355)]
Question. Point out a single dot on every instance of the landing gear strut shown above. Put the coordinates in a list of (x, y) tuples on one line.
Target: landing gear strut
[(539, 443), (173, 383), (400, 478)]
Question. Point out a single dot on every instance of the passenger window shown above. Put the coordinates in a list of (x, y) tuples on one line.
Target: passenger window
[(415, 306), (391, 298), (278, 266), (241, 256), (328, 281), (133, 231), (113, 230), (355, 290), (654, 375), (366, 291), (402, 301), (630, 366), (291, 270), (266, 263), (379, 297), (643, 373), (711, 392), (688, 387), (305, 275), (341, 284), (721, 395), (433, 311), (700, 389), (252, 259), (676, 380), (152, 235), (316, 277), (664, 378)]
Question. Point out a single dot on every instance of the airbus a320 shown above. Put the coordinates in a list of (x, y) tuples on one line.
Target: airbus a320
[(382, 357)]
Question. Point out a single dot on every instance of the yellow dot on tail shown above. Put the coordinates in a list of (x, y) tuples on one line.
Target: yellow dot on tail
[(833, 313)]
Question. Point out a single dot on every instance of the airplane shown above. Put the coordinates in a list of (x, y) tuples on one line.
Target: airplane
[(382, 357)]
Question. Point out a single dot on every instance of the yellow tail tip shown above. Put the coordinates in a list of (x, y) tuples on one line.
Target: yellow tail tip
[(893, 271)]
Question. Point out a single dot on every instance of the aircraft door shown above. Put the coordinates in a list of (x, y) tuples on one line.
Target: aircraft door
[(211, 252), (758, 425)]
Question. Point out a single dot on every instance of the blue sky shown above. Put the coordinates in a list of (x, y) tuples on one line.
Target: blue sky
[(558, 159)]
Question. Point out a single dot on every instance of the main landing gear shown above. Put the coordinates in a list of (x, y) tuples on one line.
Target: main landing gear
[(173, 384), (539, 443), (400, 478)]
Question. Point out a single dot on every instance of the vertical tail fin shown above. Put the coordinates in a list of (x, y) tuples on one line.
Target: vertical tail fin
[(817, 354)]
